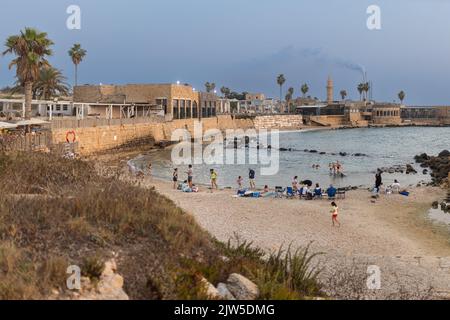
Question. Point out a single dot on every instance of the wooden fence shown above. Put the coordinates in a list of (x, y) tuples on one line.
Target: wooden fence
[(35, 141)]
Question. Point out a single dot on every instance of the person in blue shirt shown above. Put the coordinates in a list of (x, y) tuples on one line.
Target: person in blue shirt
[(331, 192)]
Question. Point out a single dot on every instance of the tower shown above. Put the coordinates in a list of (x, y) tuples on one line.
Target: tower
[(330, 91)]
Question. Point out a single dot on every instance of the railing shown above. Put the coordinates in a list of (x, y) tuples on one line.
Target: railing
[(74, 123), (26, 142)]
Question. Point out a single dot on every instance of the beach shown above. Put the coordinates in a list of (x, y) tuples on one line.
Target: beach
[(392, 233)]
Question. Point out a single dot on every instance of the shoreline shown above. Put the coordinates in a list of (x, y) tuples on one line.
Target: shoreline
[(394, 232)]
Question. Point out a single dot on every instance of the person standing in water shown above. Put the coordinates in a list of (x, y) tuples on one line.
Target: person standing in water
[(213, 180), (175, 178), (334, 214)]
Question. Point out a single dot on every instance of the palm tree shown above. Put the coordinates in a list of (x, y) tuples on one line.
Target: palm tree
[(225, 91), (213, 86), (77, 54), (360, 90), (208, 86), (304, 89), (343, 94), (280, 81), (51, 83), (401, 96), (31, 49), (366, 89)]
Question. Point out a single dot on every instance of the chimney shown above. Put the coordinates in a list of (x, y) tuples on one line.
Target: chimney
[(330, 90)]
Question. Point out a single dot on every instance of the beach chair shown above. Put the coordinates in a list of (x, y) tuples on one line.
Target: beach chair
[(340, 194), (317, 193), (290, 192), (279, 192), (331, 193)]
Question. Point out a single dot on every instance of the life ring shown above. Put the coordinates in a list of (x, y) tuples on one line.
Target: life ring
[(73, 134)]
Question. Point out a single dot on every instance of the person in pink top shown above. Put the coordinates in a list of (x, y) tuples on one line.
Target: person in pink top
[(334, 214)]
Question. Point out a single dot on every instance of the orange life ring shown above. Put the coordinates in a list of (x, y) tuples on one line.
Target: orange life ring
[(73, 134)]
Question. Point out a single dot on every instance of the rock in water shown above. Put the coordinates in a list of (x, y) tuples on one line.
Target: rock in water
[(444, 154), (410, 169), (242, 288)]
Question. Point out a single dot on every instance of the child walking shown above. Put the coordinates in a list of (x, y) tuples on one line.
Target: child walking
[(334, 214)]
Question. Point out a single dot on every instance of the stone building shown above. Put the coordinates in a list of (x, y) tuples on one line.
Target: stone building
[(208, 104), (178, 101), (388, 113)]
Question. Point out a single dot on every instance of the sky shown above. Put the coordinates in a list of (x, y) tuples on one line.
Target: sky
[(244, 45)]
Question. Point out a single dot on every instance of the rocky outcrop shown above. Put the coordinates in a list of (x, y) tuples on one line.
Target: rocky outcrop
[(237, 287), (440, 165), (242, 288), (108, 287)]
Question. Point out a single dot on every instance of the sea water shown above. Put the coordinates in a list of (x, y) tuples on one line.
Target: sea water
[(382, 147)]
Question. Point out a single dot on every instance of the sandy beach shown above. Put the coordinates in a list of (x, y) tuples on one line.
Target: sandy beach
[(392, 233)]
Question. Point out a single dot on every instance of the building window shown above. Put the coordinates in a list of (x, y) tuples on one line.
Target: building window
[(183, 109), (162, 103), (204, 112), (188, 109), (176, 106), (195, 110), (65, 107)]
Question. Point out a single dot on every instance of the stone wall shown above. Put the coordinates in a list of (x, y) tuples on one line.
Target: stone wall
[(330, 120), (96, 139), (278, 122)]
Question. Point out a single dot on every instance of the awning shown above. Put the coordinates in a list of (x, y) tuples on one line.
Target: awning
[(7, 125), (32, 122)]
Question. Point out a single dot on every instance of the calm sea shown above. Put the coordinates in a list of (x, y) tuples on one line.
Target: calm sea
[(383, 147)]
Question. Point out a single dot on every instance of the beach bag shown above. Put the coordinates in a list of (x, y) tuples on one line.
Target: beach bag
[(405, 193)]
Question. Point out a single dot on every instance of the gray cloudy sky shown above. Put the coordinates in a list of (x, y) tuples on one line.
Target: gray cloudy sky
[(245, 44)]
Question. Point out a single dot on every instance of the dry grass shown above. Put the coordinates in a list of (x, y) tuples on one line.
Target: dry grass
[(63, 213)]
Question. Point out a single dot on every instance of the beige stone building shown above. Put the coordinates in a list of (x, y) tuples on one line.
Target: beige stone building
[(178, 101)]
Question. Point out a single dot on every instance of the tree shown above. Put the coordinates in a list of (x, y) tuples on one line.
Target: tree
[(51, 83), (366, 89), (280, 81), (304, 89), (401, 96), (212, 86), (343, 94), (208, 87), (360, 90), (77, 54), (225, 91), (31, 48)]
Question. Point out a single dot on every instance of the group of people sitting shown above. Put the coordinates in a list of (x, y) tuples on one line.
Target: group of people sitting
[(306, 191)]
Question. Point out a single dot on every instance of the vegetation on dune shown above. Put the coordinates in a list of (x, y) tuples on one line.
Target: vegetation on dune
[(56, 212)]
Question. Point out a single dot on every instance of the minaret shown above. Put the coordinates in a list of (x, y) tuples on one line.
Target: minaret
[(330, 90)]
